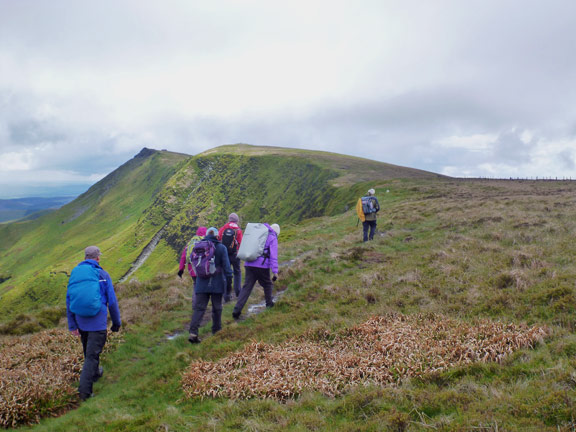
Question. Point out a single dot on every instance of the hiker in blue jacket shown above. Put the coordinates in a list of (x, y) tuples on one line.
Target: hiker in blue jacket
[(89, 297), (211, 288)]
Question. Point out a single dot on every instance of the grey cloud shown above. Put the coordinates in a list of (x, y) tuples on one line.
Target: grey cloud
[(497, 68), (510, 149), (566, 160), (32, 132)]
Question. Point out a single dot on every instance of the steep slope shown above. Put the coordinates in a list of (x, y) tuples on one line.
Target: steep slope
[(36, 256), (142, 214), (259, 184)]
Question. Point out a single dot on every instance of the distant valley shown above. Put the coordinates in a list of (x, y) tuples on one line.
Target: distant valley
[(30, 208)]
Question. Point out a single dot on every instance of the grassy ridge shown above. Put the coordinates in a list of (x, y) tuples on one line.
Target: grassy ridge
[(467, 250), (351, 169), (163, 190)]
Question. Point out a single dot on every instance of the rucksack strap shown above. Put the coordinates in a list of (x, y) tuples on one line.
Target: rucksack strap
[(266, 254)]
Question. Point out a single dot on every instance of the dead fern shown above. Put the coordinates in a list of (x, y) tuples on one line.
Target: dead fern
[(382, 351)]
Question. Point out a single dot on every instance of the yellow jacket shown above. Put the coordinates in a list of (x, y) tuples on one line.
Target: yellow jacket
[(359, 210)]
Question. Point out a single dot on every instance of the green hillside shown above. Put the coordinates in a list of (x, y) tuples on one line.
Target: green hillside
[(37, 256), (456, 272), (171, 194)]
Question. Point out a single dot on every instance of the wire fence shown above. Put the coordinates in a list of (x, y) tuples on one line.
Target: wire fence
[(559, 179)]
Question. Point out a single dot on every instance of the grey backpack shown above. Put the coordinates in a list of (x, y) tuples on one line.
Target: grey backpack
[(253, 242)]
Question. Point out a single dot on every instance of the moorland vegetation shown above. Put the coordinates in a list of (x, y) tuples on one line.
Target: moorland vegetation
[(469, 283)]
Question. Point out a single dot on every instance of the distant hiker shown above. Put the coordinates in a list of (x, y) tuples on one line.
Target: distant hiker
[(367, 209), (231, 236), (185, 258), (90, 295), (258, 268), (210, 260)]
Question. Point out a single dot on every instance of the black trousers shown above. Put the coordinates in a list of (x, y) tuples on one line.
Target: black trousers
[(92, 343), (237, 270), (369, 225), (200, 306), (253, 275)]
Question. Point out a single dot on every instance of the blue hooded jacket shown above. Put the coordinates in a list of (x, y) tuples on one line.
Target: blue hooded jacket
[(109, 302)]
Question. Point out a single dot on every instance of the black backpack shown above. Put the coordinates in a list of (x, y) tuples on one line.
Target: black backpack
[(229, 240)]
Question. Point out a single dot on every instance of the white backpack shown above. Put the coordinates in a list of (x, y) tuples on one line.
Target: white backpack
[(253, 241)]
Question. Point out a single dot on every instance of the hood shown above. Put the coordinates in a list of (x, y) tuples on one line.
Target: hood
[(91, 262), (212, 238), (270, 230)]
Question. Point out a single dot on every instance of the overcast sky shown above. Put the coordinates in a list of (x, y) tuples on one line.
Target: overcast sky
[(463, 88)]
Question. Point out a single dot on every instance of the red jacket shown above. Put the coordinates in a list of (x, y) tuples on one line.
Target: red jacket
[(232, 225)]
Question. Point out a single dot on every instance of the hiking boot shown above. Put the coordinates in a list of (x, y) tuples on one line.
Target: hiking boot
[(84, 396), (227, 299), (235, 315), (193, 338), (99, 374), (270, 305)]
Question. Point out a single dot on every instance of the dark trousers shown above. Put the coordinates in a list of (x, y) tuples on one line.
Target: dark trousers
[(92, 343), (237, 270), (193, 291), (253, 275), (369, 225), (200, 307)]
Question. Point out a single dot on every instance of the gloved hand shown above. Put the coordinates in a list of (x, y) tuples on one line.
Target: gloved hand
[(275, 277), (115, 328), (180, 272)]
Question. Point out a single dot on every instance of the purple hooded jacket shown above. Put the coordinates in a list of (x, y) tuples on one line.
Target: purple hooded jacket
[(272, 246)]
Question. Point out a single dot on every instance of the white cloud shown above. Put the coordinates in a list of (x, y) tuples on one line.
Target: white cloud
[(473, 143), (14, 161), (442, 86)]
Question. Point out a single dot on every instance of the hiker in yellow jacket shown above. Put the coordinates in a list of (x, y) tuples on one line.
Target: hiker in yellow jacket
[(367, 208)]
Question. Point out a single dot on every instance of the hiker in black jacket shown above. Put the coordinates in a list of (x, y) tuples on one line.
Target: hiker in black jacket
[(210, 288)]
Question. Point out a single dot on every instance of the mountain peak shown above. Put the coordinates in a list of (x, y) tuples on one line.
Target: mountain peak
[(145, 152)]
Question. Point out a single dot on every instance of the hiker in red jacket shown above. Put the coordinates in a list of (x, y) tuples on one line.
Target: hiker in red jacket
[(231, 236)]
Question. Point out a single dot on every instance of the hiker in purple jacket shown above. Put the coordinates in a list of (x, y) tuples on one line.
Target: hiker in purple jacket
[(259, 271)]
